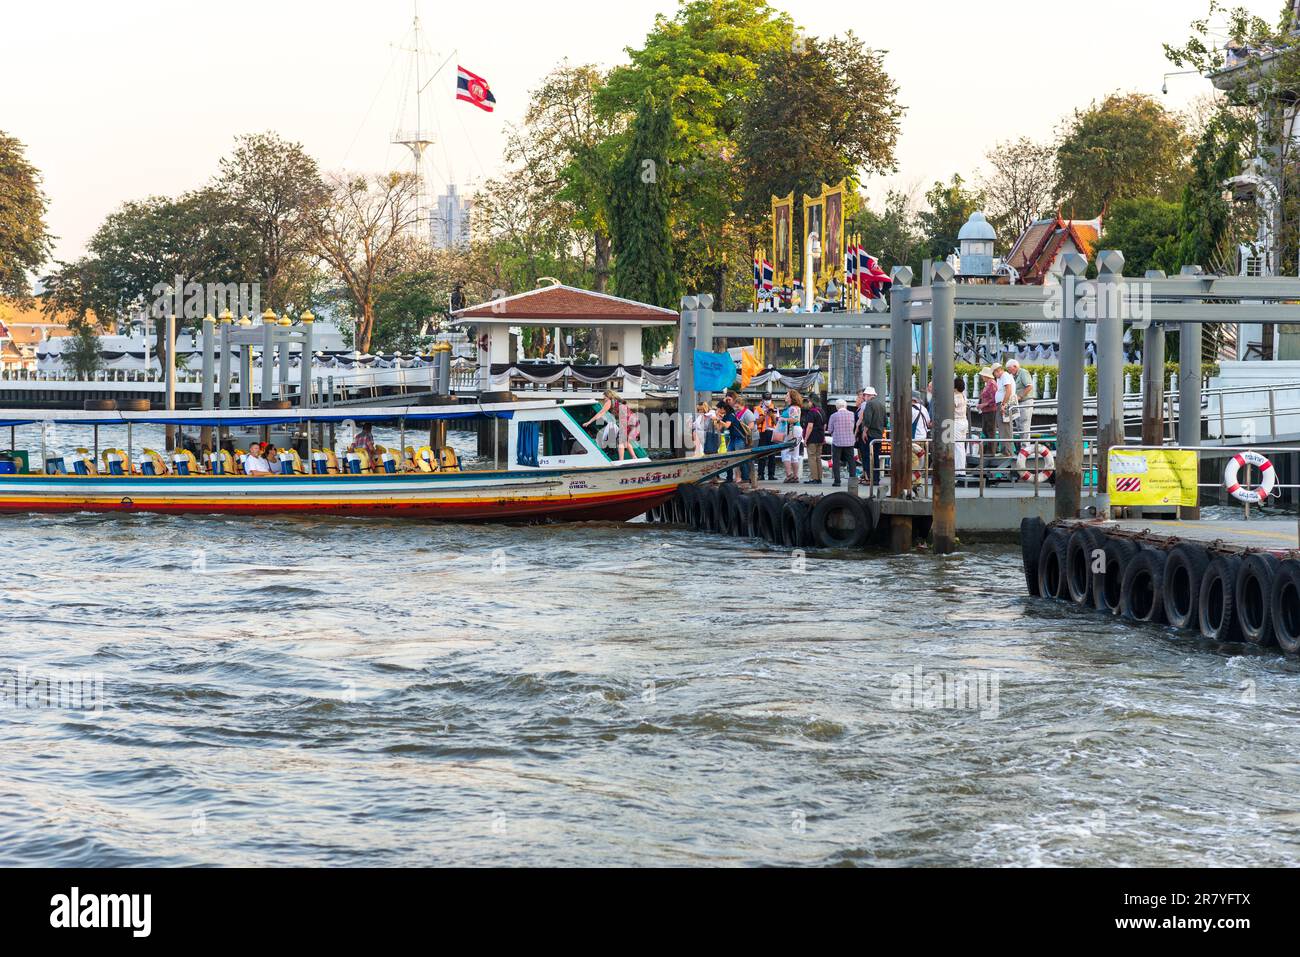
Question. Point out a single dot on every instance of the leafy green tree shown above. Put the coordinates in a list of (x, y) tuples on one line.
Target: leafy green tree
[(825, 110), (404, 307), (949, 207), (271, 187), (24, 239), (639, 213), (890, 233), (703, 64), (1206, 223), (1127, 145), (1019, 187), (1147, 230)]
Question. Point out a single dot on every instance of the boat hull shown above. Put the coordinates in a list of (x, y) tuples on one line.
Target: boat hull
[(613, 493)]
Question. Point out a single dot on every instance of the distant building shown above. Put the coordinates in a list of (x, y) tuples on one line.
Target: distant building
[(23, 329), (1040, 248), (449, 226)]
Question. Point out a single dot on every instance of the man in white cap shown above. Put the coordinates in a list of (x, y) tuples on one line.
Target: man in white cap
[(1026, 393), (872, 419)]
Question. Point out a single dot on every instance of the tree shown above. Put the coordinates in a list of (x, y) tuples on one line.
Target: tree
[(357, 229), (1147, 230), (890, 234), (81, 351), (639, 213), (1207, 226), (1126, 146), (950, 206), (826, 110), (572, 153), (1019, 187), (404, 306), (25, 241), (703, 64), (272, 187)]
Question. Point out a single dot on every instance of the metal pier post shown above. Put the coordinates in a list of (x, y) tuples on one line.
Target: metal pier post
[(1069, 393), (308, 351), (268, 355), (687, 328), (900, 388), (1110, 366), (223, 378), (1189, 388), (943, 298)]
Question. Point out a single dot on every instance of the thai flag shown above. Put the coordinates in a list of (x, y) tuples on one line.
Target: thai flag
[(851, 265), (472, 88), (767, 275), (871, 278), (758, 274)]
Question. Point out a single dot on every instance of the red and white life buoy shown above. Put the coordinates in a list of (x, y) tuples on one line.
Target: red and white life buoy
[(1044, 472), (1244, 493)]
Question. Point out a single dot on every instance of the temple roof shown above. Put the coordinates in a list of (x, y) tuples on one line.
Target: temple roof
[(1044, 240)]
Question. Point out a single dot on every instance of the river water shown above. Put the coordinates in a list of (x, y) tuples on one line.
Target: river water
[(335, 692)]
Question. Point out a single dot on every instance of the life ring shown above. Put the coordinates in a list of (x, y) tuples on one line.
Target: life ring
[(1240, 492), (1041, 452)]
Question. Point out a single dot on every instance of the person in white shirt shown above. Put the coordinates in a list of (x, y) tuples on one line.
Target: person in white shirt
[(1006, 400), (254, 463)]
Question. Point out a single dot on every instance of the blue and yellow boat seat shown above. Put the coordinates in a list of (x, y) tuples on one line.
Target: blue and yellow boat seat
[(84, 463), (54, 465), (184, 463), (388, 462), (447, 460), (151, 463), (426, 460), (114, 461)]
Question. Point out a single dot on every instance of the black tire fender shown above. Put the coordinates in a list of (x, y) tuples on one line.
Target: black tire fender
[(1051, 565), (1285, 602), (1080, 555), (1254, 598), (1032, 532), (794, 523), (1217, 609), (840, 520), (1142, 591), (1106, 586), (1184, 569)]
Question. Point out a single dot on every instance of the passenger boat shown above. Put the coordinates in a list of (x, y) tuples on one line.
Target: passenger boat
[(556, 469)]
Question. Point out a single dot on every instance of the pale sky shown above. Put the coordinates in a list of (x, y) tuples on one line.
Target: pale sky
[(120, 100)]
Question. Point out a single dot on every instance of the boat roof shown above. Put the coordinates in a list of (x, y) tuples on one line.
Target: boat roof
[(231, 417)]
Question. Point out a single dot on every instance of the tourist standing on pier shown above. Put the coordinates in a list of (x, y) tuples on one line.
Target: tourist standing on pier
[(872, 420), (988, 410), (814, 437), (701, 425), (842, 442), (960, 425), (1026, 393), (792, 458), (765, 423), (1006, 401), (733, 415)]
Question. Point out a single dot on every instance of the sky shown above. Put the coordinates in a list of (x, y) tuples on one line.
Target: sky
[(120, 100)]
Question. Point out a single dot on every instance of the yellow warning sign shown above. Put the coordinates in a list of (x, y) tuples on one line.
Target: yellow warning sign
[(1152, 477)]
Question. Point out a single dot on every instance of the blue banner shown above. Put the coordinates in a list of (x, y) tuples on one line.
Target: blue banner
[(714, 371)]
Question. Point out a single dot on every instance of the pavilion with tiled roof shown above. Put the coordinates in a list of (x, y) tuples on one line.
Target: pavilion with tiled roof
[(560, 306), (1038, 251)]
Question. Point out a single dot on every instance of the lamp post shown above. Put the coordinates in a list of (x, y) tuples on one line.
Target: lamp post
[(812, 250)]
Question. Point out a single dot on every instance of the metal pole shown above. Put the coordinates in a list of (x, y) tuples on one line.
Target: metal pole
[(268, 355), (223, 378), (1153, 386), (169, 376), (900, 387), (1189, 390), (209, 351), (286, 357), (687, 328), (1069, 393), (1110, 365), (943, 298), (308, 351)]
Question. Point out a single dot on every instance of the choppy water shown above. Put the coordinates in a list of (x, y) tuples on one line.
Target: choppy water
[(347, 692)]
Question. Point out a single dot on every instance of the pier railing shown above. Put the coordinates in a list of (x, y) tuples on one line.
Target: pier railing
[(989, 463), (1249, 475)]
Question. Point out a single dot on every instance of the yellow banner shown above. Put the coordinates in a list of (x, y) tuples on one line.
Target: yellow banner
[(1152, 477)]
